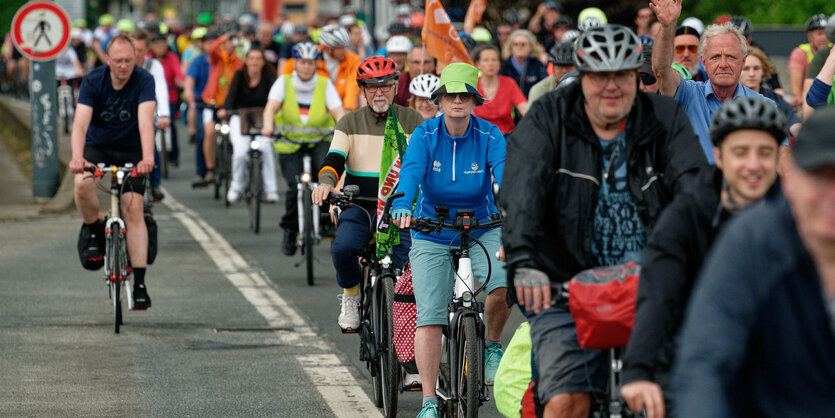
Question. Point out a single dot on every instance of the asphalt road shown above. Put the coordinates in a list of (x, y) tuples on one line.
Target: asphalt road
[(234, 329)]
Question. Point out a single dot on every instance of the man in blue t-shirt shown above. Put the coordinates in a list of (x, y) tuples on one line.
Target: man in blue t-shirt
[(196, 78), (114, 125)]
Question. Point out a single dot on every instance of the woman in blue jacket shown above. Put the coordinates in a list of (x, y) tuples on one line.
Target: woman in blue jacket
[(451, 160)]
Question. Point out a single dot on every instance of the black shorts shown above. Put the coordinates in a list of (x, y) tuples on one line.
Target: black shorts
[(97, 154)]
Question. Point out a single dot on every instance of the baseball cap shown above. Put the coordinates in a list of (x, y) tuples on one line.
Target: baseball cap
[(554, 5), (687, 30), (814, 147)]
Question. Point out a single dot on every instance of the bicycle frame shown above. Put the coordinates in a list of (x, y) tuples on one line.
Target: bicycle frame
[(306, 182)]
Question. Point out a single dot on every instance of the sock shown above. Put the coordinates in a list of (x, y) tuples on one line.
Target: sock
[(352, 291), (433, 399), (138, 277), (490, 343)]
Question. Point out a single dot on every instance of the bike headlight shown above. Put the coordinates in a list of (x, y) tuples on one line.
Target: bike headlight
[(254, 145), (224, 129), (467, 297), (305, 177)]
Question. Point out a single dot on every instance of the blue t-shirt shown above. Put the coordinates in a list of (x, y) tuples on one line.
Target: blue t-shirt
[(114, 122), (618, 230), (700, 103), (199, 71)]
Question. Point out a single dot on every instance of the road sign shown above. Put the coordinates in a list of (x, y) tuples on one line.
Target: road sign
[(41, 30)]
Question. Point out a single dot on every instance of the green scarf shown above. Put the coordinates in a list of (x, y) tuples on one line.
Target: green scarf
[(394, 147)]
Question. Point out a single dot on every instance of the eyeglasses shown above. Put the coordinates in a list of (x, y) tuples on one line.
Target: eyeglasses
[(692, 48), (601, 79), (385, 88)]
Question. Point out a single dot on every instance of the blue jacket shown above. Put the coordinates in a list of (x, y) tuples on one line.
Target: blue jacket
[(451, 171), (757, 338)]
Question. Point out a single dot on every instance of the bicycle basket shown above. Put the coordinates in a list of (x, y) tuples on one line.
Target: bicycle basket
[(602, 302)]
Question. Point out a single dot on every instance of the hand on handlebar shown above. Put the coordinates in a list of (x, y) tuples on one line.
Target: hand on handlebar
[(402, 218), (533, 289), (267, 130), (77, 165), (321, 192), (163, 122), (221, 113), (644, 395), (144, 167)]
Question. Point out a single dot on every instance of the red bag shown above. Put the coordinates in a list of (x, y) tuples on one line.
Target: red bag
[(602, 302), (404, 314)]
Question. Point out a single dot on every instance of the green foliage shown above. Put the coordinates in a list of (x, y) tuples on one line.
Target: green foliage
[(761, 12), (7, 14)]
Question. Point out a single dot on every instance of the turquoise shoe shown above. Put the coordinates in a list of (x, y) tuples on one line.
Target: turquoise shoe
[(492, 358), (429, 410)]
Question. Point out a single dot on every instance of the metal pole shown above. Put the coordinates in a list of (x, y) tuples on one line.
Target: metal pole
[(45, 179)]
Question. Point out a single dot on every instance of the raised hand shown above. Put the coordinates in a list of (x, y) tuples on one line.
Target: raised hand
[(667, 11)]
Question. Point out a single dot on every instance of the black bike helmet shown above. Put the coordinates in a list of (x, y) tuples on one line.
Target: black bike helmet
[(562, 53), (817, 21), (743, 24), (747, 113), (608, 48)]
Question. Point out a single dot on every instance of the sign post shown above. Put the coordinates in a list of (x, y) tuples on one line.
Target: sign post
[(41, 32)]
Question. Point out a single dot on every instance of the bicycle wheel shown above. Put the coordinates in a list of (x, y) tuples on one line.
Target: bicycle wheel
[(163, 154), (225, 176), (370, 329), (307, 240), (67, 102), (256, 189), (470, 364), (389, 365), (115, 279)]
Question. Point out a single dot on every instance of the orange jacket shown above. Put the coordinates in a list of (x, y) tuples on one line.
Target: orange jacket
[(223, 67), (346, 78)]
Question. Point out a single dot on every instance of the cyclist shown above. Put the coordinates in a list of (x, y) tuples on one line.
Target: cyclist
[(606, 159), (802, 55), (174, 81), (418, 62), (746, 134), (760, 330), (249, 88), (502, 94), (522, 62), (303, 98), (397, 48), (196, 79), (561, 57), (114, 124), (421, 89), (478, 148), (356, 152), (341, 64)]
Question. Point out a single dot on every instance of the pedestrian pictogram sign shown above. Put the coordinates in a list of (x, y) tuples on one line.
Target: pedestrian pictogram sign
[(41, 30)]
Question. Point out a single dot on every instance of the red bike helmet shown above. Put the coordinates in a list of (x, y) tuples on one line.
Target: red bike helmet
[(375, 70)]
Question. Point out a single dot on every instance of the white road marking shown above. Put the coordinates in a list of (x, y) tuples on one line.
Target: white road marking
[(331, 377)]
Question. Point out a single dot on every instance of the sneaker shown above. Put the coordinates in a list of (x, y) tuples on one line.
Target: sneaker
[(412, 381), (288, 245), (157, 194), (492, 358), (198, 183), (429, 410), (233, 195), (349, 317), (141, 300), (271, 197)]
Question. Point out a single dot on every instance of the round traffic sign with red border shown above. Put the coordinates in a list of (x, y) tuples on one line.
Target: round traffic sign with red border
[(41, 30)]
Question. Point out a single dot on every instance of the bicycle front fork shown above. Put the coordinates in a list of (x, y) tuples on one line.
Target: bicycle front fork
[(306, 182)]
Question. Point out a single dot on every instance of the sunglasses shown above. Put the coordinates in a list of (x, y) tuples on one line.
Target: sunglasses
[(648, 79), (692, 48), (460, 96)]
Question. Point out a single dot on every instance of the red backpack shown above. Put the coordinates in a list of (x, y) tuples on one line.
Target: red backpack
[(602, 302)]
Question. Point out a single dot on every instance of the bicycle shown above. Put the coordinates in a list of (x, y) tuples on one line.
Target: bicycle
[(116, 269), (376, 319), (460, 388), (162, 140), (66, 101), (309, 214), (223, 160), (255, 183)]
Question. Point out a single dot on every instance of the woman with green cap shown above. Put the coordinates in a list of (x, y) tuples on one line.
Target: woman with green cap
[(452, 159)]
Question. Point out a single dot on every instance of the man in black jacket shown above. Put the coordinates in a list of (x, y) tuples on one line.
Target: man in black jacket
[(746, 134), (759, 334), (587, 174)]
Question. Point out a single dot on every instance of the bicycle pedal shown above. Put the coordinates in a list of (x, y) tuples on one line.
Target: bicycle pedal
[(348, 331)]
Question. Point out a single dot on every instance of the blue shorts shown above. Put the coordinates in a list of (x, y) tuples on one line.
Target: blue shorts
[(433, 274)]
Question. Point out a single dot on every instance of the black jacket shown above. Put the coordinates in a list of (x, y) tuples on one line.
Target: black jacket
[(553, 172), (532, 72), (672, 259)]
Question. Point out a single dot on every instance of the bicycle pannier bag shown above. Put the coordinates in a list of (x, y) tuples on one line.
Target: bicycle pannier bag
[(602, 302), (404, 314)]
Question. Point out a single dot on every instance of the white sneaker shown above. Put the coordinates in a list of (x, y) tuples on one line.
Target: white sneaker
[(349, 317), (271, 197), (412, 380), (233, 195)]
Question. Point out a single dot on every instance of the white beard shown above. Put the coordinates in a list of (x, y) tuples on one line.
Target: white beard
[(378, 107)]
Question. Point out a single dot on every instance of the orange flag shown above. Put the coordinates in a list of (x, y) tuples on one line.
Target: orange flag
[(440, 37), (474, 13)]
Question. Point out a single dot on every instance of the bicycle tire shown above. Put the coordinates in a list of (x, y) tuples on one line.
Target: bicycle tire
[(67, 113), (225, 170), (470, 363), (256, 188), (163, 154), (115, 279), (389, 363), (369, 332), (307, 240)]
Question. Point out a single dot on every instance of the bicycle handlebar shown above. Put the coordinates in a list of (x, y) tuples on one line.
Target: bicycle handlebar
[(280, 131), (101, 169)]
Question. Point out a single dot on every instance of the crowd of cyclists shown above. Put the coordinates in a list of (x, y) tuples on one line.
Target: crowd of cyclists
[(669, 143)]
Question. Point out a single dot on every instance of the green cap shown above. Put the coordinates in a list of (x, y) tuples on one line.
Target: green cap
[(125, 25), (79, 23), (106, 20), (459, 77), (482, 35), (199, 32), (204, 18)]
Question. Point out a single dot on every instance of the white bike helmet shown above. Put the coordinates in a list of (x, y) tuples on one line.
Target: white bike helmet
[(306, 50), (333, 36), (424, 85), (399, 43)]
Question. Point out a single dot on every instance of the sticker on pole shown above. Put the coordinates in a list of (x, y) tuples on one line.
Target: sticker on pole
[(41, 30)]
